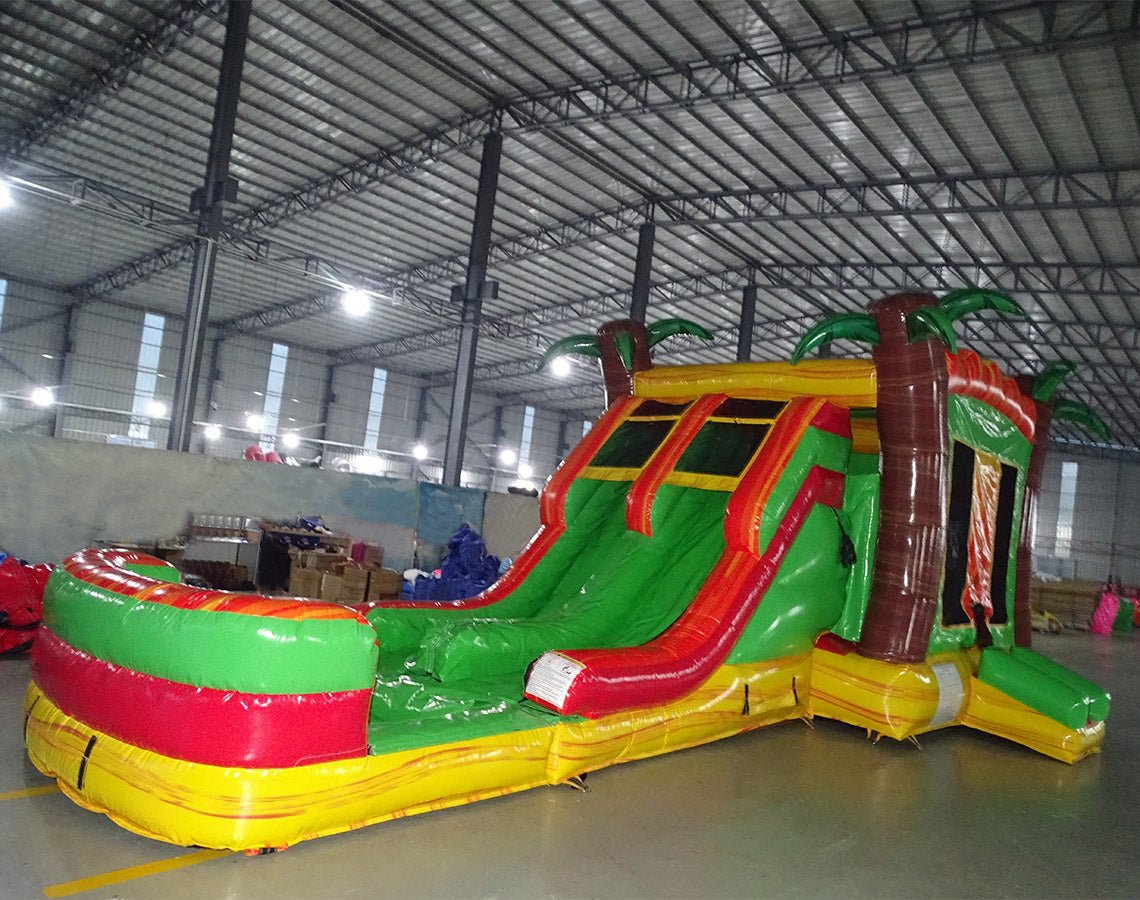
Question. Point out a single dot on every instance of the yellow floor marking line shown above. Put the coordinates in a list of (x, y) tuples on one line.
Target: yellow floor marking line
[(30, 792), (114, 877)]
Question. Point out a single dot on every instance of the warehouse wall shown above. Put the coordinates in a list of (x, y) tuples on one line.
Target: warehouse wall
[(1105, 533), (61, 496), (98, 381)]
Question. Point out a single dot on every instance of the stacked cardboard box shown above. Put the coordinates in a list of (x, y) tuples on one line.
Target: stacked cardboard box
[(338, 579)]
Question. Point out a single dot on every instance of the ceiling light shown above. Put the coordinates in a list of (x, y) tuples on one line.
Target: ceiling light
[(526, 471), (6, 198), (156, 409), (212, 432), (419, 451), (47, 356), (254, 422), (42, 396), (258, 394), (290, 440), (560, 366), (355, 302), (508, 457)]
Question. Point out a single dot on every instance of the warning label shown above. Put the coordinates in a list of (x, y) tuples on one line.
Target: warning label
[(551, 677)]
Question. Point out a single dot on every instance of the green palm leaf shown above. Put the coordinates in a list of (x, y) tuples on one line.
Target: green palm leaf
[(1046, 383), (845, 326), (624, 342), (580, 344), (970, 300), (1080, 414), (667, 328), (931, 322)]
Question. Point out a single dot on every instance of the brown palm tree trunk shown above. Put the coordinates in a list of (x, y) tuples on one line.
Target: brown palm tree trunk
[(619, 379), (914, 444), (1022, 620)]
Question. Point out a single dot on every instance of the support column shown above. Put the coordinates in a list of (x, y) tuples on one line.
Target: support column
[(747, 324), (473, 291), (63, 373), (328, 398), (422, 412), (209, 202), (642, 269), (212, 381)]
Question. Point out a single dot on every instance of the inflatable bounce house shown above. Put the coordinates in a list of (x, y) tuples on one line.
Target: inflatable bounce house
[(728, 547)]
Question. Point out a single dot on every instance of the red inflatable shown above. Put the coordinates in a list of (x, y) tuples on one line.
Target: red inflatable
[(21, 603)]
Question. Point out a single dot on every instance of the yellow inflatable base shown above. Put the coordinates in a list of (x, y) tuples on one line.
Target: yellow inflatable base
[(234, 808), (903, 701)]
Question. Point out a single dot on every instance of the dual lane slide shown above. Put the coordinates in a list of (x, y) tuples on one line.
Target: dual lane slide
[(662, 532)]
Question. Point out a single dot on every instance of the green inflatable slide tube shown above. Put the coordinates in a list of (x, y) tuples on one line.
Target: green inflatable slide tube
[(1049, 688)]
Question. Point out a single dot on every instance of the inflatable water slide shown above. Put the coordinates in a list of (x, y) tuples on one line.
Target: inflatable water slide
[(715, 555)]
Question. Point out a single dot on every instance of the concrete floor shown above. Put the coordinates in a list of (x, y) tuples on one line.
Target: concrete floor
[(783, 811)]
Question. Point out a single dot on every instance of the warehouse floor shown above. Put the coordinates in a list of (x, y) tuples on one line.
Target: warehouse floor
[(784, 811)]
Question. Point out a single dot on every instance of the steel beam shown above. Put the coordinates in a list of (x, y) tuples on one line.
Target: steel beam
[(63, 372), (210, 203), (642, 271), (999, 192), (747, 323), (921, 42), (181, 20), (472, 300), (328, 398)]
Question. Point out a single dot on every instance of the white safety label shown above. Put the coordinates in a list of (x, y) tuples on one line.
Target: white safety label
[(551, 677), (951, 694)]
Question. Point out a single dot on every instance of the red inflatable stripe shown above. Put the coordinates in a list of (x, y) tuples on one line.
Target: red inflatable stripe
[(204, 725), (690, 650)]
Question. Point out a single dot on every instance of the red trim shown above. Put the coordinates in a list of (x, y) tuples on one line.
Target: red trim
[(972, 376), (691, 649), (203, 725), (552, 508), (639, 500), (106, 569)]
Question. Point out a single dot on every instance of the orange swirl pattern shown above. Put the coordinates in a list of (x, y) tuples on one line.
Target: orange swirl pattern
[(107, 569), (979, 378)]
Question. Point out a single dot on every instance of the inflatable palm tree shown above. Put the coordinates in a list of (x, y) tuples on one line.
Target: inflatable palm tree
[(907, 333), (1043, 389), (622, 346)]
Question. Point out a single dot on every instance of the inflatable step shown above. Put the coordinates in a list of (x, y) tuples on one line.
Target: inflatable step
[(1045, 686)]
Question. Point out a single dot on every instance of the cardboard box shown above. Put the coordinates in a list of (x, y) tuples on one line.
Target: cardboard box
[(331, 586), (304, 582), (373, 555), (354, 588), (320, 561), (385, 583)]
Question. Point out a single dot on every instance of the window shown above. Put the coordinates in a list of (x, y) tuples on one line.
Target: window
[(632, 443), (527, 434), (375, 409), (146, 375), (722, 448), (3, 294), (958, 534), (274, 388), (586, 426), (1004, 541), (1066, 506)]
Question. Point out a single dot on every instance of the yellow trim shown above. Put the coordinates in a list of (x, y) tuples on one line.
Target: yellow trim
[(864, 435), (740, 420), (118, 876), (30, 792), (608, 473), (704, 482), (845, 382), (232, 808)]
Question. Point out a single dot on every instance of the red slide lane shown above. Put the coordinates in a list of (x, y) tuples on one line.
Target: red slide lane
[(691, 649), (203, 725)]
